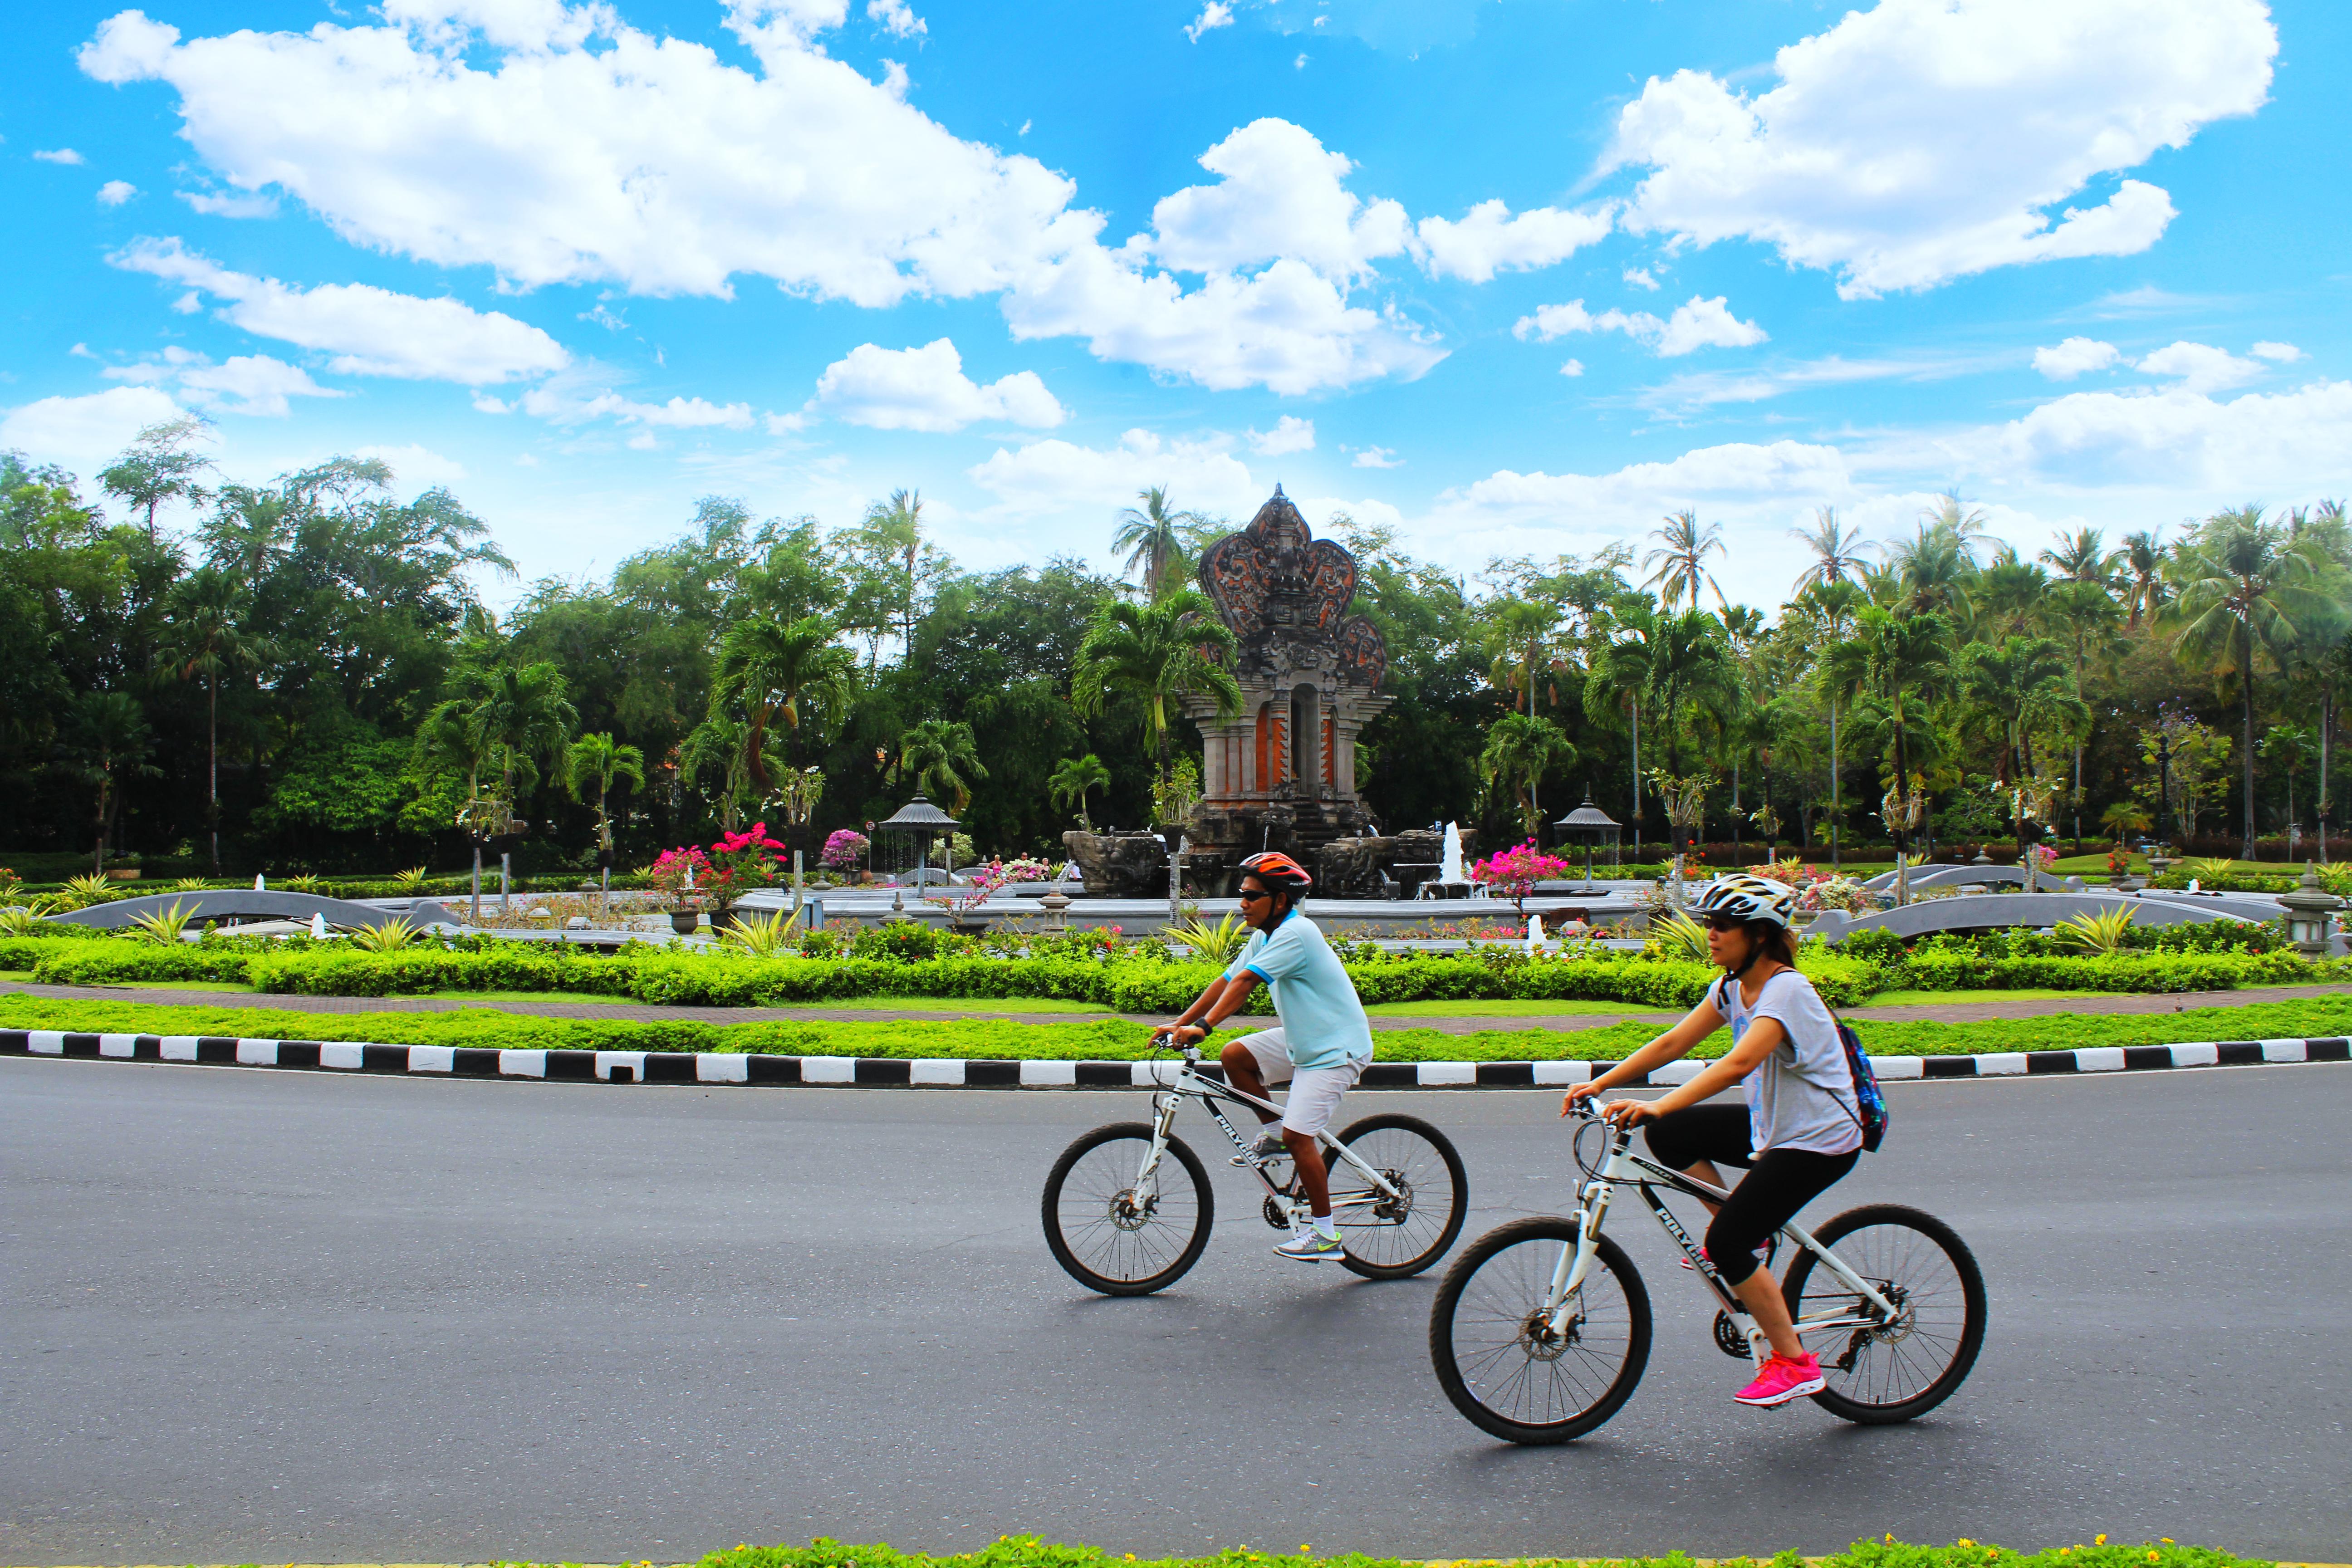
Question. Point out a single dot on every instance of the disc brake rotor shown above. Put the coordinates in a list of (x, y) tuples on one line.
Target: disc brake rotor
[(1126, 1213)]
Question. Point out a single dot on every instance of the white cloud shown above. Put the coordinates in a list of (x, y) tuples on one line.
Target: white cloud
[(418, 466), (2281, 353), (555, 143), (1291, 434), (1377, 458), (2200, 366), (371, 331), (1638, 277), (60, 155), (1059, 475), (243, 384), (1572, 367), (1488, 239), (1924, 140), (1701, 323), (2074, 357), (114, 192), (85, 433), (926, 389), (236, 204), (561, 405), (895, 17), (1215, 13), (1689, 392)]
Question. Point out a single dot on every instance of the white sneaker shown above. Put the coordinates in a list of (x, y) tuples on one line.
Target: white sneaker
[(1310, 1245)]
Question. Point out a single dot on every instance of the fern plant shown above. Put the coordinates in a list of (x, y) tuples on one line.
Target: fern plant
[(2102, 933), (1217, 944), (389, 937), (165, 925), (763, 936)]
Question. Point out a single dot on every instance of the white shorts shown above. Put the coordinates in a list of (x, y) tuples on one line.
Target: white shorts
[(1314, 1092)]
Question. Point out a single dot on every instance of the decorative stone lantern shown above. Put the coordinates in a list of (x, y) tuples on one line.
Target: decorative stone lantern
[(2310, 910)]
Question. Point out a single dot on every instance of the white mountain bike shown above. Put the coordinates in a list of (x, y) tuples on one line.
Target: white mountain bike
[(1128, 1207), (1541, 1329)]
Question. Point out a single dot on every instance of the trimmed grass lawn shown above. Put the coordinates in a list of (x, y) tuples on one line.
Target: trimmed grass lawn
[(1950, 998), (1117, 1039), (1511, 1009)]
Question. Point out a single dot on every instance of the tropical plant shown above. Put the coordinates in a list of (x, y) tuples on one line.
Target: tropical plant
[(1678, 935), (2102, 933), (1684, 546), (1219, 943), (598, 762), (1520, 750), (1519, 634), (763, 936), (412, 877), (1837, 551), (2022, 684), (306, 882), (1902, 664), (2210, 866), (770, 670), (2244, 594), (1175, 792), (18, 920), (1150, 541), (679, 876), (160, 464), (844, 848), (1159, 654), (2144, 591), (165, 925), (189, 885), (523, 713), (1073, 779), (942, 758), (2123, 819), (209, 609), (1514, 872), (111, 743), (390, 936), (93, 889)]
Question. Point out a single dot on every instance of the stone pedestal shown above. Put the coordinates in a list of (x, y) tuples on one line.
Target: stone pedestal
[(1119, 866)]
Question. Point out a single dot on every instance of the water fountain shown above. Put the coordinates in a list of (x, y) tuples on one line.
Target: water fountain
[(1452, 870)]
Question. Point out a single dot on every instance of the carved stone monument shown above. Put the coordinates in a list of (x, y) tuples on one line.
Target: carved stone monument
[(1281, 774)]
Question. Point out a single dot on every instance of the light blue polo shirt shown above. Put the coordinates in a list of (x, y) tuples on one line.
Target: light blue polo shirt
[(1323, 1024)]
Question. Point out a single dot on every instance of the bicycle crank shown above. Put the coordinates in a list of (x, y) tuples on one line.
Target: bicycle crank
[(1729, 1337)]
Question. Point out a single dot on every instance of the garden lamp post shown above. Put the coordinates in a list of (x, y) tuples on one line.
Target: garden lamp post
[(2163, 787), (1592, 824), (2310, 910)]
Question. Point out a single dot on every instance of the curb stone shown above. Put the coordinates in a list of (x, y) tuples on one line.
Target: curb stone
[(762, 1069)]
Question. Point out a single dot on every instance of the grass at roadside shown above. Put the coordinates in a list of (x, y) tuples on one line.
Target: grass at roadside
[(1508, 1008), (1952, 998), (1115, 1039)]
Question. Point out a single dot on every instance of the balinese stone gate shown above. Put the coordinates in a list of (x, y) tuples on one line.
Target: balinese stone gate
[(1282, 773)]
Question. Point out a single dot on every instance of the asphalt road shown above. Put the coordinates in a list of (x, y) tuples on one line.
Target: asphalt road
[(271, 1317)]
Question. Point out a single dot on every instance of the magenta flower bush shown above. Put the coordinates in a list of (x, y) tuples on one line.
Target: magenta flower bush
[(844, 850), (1514, 873)]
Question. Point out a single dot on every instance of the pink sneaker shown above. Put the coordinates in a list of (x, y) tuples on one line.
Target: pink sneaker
[(1783, 1380)]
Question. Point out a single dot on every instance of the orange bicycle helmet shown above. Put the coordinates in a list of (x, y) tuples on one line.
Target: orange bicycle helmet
[(1277, 867)]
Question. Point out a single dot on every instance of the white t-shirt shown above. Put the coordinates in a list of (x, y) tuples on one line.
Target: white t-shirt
[(1802, 1096)]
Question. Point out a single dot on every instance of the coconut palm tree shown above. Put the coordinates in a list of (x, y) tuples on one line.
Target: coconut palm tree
[(1937, 570), (593, 766), (2024, 684), (1152, 537), (2084, 558), (771, 669), (2011, 593), (1954, 518), (943, 759), (2143, 561), (2245, 593), (1157, 654), (1837, 549), (1072, 779), (1685, 543), (1520, 749), (208, 609), (1832, 606), (1519, 635), (1902, 664)]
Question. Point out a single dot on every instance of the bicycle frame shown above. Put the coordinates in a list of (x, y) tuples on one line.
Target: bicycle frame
[(1623, 1167), (1190, 1084)]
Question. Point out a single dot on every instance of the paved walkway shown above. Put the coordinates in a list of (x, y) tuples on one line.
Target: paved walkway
[(1957, 1013)]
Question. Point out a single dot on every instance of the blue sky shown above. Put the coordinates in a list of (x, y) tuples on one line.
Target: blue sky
[(1512, 275)]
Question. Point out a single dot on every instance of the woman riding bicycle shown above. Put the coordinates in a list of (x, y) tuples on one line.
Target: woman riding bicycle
[(1800, 1131)]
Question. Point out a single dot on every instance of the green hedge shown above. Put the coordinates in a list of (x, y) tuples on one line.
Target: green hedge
[(1029, 1551), (1117, 1039)]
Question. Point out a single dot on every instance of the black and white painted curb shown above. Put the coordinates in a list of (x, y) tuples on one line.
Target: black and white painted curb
[(879, 1072)]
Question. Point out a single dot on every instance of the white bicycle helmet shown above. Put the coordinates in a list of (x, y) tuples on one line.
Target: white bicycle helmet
[(1745, 897)]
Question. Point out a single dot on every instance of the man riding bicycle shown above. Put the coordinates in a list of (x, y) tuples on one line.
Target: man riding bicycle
[(1320, 1049)]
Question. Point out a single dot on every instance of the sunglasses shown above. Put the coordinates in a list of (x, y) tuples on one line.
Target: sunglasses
[(1726, 923), (1248, 897)]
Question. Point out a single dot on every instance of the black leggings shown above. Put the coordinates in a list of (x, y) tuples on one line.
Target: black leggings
[(1778, 1182)]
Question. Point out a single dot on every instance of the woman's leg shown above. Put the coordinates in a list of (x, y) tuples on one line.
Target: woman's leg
[(1693, 1139), (1782, 1182)]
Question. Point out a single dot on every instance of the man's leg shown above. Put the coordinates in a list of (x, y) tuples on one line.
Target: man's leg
[(1242, 1073), (1314, 1096)]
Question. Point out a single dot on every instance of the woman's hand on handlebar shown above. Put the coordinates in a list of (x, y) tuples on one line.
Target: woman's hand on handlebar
[(1577, 1097), (1629, 1113)]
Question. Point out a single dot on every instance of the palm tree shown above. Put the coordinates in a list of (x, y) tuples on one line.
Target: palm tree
[(719, 745), (113, 738), (942, 757), (1620, 677), (2011, 592), (2024, 684), (1833, 606), (2245, 593), (2086, 612), (2143, 557), (892, 531), (1153, 539), (452, 736), (1937, 570), (1156, 653), (598, 762), (1071, 781), (770, 669), (1902, 663), (1837, 551), (523, 713), (2084, 558), (1954, 518), (1685, 545), (207, 608), (1520, 749), (1518, 633)]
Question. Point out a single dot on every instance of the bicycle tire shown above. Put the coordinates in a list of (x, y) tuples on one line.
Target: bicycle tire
[(1365, 1252), (1182, 1250), (1943, 1291), (1512, 1290)]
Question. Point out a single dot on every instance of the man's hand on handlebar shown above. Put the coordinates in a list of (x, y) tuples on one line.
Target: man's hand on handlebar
[(1171, 1037)]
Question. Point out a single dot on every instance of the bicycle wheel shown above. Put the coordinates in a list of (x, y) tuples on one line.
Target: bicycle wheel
[(1498, 1360), (1391, 1238), (1108, 1238), (1884, 1375)]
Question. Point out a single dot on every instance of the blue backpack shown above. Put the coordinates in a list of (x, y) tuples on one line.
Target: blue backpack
[(1869, 1109)]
